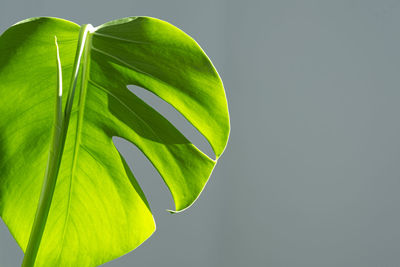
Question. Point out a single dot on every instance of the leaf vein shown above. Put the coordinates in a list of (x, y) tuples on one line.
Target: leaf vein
[(119, 38), (127, 107)]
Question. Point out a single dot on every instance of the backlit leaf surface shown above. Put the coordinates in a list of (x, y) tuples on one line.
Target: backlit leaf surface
[(98, 211)]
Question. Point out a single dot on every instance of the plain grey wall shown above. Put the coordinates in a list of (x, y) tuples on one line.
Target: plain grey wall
[(311, 175)]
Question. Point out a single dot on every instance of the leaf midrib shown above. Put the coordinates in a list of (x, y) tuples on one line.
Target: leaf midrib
[(80, 110)]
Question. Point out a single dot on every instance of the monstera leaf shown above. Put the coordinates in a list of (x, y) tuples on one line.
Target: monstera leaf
[(66, 194)]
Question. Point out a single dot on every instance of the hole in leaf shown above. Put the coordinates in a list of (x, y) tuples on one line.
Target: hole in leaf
[(176, 118), (149, 180)]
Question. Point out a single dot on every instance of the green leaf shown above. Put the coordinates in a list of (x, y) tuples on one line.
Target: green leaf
[(97, 210)]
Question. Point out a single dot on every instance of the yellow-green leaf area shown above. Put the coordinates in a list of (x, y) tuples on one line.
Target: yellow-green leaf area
[(98, 211)]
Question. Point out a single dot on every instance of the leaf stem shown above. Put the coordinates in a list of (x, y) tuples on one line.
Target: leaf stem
[(60, 128)]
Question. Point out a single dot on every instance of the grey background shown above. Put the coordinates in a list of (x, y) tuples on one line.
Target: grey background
[(311, 174)]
